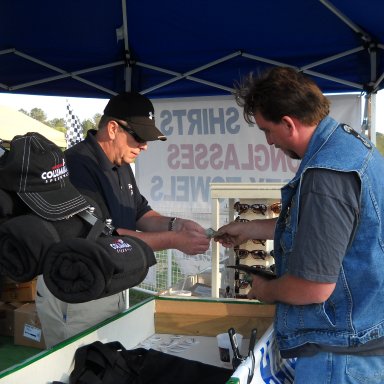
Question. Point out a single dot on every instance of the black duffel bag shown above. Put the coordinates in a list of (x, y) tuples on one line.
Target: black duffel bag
[(111, 363)]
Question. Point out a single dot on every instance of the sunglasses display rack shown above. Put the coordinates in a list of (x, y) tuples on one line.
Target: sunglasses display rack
[(241, 201), (256, 252)]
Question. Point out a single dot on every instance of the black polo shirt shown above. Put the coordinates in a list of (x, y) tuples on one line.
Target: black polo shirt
[(113, 187)]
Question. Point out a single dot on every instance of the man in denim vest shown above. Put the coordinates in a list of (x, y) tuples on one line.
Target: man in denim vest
[(328, 238)]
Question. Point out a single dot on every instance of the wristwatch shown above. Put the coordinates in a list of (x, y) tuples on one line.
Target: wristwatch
[(171, 224)]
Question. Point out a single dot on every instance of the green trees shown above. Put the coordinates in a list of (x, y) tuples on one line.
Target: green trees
[(59, 123), (91, 123), (380, 142)]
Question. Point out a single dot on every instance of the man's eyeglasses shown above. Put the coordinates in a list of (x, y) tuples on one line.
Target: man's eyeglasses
[(132, 133)]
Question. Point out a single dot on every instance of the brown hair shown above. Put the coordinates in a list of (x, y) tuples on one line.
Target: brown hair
[(282, 91)]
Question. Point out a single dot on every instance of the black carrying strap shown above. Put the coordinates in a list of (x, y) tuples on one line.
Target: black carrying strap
[(98, 226), (99, 363)]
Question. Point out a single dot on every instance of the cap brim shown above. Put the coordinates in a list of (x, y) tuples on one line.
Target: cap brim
[(56, 204), (145, 128)]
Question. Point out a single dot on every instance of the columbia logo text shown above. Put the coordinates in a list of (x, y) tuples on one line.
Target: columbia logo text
[(120, 246), (56, 173)]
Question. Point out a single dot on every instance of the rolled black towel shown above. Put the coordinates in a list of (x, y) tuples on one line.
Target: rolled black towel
[(132, 258), (6, 204), (24, 240), (80, 270)]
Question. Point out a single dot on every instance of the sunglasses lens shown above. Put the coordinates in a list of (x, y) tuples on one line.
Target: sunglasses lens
[(259, 208), (241, 208), (241, 253), (258, 254), (136, 137), (132, 133)]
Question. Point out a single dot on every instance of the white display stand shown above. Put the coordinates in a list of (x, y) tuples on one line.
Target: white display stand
[(232, 191)]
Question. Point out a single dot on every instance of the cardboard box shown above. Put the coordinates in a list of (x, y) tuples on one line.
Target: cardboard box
[(14, 291), (7, 318), (27, 327)]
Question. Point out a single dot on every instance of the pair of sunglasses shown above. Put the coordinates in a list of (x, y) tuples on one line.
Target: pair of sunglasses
[(132, 133), (255, 253), (255, 208)]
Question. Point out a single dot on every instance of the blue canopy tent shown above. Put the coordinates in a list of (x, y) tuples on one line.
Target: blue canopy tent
[(170, 48)]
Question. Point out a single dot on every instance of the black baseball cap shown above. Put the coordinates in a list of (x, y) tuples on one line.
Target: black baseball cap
[(35, 169), (137, 110)]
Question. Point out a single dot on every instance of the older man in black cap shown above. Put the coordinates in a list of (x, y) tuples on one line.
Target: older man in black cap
[(99, 167)]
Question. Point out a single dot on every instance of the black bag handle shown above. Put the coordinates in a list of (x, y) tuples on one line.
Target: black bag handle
[(98, 226)]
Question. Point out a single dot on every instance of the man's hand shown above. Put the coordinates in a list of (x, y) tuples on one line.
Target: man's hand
[(231, 234), (191, 242)]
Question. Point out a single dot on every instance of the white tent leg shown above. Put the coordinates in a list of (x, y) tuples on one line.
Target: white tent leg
[(368, 126), (372, 118)]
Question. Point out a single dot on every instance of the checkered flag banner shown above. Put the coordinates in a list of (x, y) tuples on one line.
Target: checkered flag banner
[(74, 133)]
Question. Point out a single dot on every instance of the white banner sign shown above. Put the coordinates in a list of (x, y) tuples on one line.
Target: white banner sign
[(209, 141)]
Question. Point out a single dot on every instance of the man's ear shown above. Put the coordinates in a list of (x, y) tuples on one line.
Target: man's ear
[(112, 128), (289, 123)]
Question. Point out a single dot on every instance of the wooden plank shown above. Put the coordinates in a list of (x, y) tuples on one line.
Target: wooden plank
[(210, 317), (208, 325), (215, 308)]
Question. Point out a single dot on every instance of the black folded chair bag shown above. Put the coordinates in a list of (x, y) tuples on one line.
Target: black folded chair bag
[(80, 270), (111, 363), (78, 260)]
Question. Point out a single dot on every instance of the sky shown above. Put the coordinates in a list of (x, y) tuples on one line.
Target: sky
[(84, 108), (54, 106)]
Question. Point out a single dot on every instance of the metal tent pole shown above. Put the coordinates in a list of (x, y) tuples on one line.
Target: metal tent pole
[(128, 68)]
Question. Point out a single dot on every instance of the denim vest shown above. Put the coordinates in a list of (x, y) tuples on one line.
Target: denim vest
[(354, 313)]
